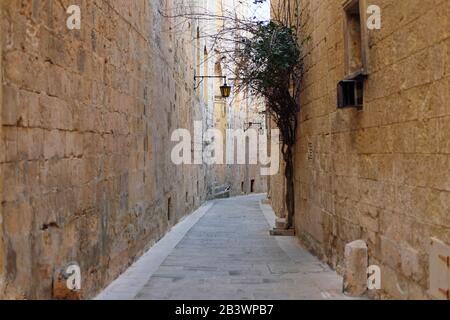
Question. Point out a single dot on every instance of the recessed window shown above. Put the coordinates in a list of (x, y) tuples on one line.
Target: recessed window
[(356, 39), (350, 93), (205, 73), (169, 208), (198, 57)]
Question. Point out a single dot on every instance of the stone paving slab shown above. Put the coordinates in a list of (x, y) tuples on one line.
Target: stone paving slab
[(128, 285), (228, 254)]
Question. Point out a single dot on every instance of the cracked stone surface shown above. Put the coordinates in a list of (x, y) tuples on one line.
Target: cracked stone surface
[(229, 254)]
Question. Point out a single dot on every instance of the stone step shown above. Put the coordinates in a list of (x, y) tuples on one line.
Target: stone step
[(282, 232), (220, 192), (222, 195), (221, 188), (280, 223)]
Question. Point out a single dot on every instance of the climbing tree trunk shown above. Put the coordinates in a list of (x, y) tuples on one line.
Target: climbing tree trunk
[(290, 197), (287, 124)]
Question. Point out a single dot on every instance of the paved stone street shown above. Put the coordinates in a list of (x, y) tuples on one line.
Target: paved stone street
[(227, 253)]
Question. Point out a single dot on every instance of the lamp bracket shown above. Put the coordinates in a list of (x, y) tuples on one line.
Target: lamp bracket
[(206, 77), (248, 125)]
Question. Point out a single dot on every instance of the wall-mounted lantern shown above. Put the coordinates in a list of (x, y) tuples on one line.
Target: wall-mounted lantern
[(225, 89)]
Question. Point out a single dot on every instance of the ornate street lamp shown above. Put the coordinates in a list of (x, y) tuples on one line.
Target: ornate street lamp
[(225, 90)]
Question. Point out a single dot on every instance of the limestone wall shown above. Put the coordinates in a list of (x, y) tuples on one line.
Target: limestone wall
[(85, 139), (380, 174), (2, 252), (276, 185)]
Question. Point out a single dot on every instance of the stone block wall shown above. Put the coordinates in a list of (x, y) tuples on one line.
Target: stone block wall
[(380, 174), (276, 185), (86, 119)]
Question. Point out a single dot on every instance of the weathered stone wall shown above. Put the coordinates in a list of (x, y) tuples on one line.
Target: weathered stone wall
[(2, 252), (85, 138), (380, 174), (276, 185)]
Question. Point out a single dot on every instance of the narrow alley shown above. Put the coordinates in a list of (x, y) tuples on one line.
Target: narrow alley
[(224, 150), (225, 252)]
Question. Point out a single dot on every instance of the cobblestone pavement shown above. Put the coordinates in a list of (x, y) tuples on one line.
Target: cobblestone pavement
[(228, 254)]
